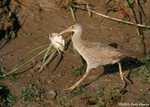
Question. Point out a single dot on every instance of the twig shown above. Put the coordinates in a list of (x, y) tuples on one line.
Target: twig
[(73, 14), (114, 19), (50, 58), (141, 33), (34, 49), (108, 17), (46, 54), (119, 20)]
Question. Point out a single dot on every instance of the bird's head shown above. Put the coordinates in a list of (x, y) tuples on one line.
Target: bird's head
[(74, 28)]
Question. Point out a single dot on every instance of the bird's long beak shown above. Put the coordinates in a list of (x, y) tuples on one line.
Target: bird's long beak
[(66, 30)]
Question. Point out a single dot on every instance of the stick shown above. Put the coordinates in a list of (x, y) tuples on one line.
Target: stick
[(119, 20)]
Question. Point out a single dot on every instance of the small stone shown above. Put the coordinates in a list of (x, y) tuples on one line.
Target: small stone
[(49, 82), (52, 94), (2, 59)]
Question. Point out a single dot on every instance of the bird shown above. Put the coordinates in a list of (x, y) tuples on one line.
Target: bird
[(94, 53)]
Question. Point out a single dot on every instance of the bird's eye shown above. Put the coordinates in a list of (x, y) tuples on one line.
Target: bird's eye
[(72, 27)]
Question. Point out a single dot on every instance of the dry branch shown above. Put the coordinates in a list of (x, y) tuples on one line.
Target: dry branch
[(118, 20)]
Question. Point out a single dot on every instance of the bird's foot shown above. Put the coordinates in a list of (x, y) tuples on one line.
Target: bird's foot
[(78, 82), (124, 79)]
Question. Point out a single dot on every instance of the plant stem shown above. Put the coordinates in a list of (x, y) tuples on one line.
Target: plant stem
[(24, 63)]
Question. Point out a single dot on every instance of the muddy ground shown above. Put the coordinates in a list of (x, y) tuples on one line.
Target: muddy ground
[(38, 20)]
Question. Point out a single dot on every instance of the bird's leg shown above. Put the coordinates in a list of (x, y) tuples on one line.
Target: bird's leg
[(78, 82), (123, 78)]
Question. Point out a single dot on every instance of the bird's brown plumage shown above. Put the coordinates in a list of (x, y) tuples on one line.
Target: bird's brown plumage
[(94, 53)]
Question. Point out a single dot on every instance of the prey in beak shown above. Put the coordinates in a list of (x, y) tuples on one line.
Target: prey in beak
[(66, 30)]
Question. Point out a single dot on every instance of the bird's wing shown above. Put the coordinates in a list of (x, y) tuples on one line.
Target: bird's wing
[(99, 50)]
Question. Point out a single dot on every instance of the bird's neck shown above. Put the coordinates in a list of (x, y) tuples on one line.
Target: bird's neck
[(77, 40)]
